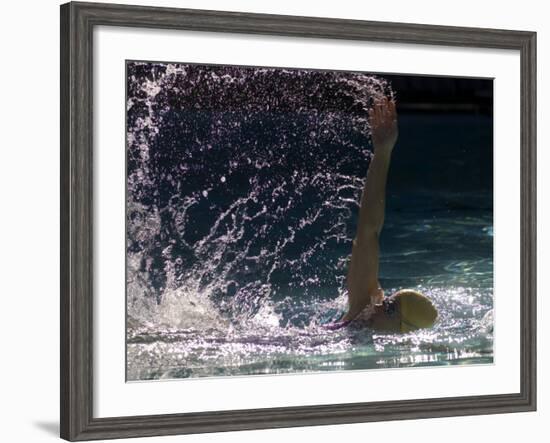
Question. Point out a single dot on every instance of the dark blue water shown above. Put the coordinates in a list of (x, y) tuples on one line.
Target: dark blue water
[(243, 186)]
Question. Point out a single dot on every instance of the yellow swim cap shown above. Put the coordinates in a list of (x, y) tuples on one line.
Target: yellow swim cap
[(417, 310)]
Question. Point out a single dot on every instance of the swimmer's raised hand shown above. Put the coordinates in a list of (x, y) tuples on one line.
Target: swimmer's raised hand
[(363, 286), (383, 123)]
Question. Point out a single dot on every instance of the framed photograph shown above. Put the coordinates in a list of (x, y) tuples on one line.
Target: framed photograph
[(273, 221)]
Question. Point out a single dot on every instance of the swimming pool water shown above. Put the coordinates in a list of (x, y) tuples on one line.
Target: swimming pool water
[(240, 224)]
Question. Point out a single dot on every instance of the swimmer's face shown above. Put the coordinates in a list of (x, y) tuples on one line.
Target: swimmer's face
[(387, 317)]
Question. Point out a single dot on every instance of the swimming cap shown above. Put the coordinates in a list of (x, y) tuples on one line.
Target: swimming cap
[(417, 310)]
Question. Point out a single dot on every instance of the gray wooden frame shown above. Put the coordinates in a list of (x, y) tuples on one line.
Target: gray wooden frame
[(77, 24)]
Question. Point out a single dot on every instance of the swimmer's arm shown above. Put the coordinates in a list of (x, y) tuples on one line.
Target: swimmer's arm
[(363, 285)]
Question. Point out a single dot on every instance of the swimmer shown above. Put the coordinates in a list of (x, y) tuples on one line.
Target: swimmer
[(407, 309)]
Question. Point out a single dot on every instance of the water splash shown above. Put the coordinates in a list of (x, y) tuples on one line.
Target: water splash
[(241, 181)]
